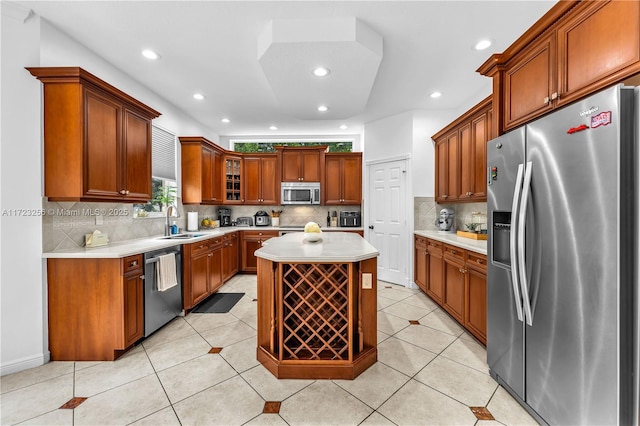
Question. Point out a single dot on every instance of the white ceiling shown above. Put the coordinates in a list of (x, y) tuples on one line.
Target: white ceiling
[(212, 47)]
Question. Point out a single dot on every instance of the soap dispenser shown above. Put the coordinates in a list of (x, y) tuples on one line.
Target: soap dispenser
[(174, 227)]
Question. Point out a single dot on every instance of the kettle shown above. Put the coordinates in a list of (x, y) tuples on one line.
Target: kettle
[(445, 222)]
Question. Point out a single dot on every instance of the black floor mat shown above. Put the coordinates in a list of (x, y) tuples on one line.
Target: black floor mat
[(219, 303)]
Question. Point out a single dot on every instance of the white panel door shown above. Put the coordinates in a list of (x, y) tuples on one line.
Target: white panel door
[(386, 217)]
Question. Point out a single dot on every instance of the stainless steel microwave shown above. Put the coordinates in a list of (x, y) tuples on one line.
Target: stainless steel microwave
[(300, 193)]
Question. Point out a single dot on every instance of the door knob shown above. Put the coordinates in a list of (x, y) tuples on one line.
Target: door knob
[(370, 226)]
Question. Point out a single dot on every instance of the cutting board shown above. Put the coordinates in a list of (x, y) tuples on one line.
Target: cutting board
[(472, 235)]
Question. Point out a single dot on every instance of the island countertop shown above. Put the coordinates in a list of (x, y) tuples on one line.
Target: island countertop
[(333, 247)]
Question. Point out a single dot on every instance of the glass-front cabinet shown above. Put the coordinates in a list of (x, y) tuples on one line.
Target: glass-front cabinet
[(233, 184)]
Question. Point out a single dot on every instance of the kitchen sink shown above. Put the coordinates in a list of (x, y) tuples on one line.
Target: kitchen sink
[(180, 236)]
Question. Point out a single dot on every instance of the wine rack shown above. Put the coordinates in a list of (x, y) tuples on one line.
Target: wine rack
[(232, 177), (315, 323)]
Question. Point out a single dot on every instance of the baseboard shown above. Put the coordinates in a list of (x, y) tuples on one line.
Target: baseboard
[(24, 364)]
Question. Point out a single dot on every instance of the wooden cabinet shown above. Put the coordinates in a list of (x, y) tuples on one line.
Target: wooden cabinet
[(456, 279), (454, 284), (95, 307), (575, 49), (201, 170), (420, 256), (435, 270), (202, 270), (252, 241), (461, 156), (343, 179), (301, 163), (97, 139), (233, 180), (476, 303), (260, 179), (230, 254)]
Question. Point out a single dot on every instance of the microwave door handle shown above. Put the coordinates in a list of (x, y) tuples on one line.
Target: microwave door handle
[(515, 283), (521, 244)]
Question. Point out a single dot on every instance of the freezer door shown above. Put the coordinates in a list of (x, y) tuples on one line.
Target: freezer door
[(504, 330), (576, 239)]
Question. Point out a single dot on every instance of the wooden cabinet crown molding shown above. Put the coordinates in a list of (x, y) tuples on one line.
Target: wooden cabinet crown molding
[(485, 103), (489, 67), (59, 75)]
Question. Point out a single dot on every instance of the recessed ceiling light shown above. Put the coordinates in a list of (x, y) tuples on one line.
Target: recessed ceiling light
[(321, 71), (150, 54), (323, 108), (343, 127), (198, 96), (482, 44), (435, 95), (273, 128), (225, 120)]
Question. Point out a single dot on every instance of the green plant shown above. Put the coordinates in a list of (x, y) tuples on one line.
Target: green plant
[(165, 196)]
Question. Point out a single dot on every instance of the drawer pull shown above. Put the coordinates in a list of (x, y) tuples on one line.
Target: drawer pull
[(134, 263)]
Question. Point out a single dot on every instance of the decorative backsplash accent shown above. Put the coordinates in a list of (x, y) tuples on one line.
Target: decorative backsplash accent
[(425, 210), (66, 223)]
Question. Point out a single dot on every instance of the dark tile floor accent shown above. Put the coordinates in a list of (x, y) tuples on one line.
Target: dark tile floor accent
[(482, 413), (215, 350), (271, 407), (414, 322), (73, 403)]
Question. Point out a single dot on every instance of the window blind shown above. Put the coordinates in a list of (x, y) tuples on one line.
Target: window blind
[(163, 154)]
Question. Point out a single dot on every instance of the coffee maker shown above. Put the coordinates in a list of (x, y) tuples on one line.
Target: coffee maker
[(446, 221), (224, 216)]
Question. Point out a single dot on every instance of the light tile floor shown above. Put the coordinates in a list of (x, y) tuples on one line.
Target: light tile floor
[(427, 374)]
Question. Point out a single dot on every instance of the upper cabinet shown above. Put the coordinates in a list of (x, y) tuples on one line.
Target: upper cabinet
[(460, 156), (97, 139), (577, 48), (302, 163), (201, 171), (233, 179), (343, 178), (261, 184)]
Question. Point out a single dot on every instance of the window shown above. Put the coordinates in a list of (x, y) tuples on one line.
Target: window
[(163, 169), (269, 146)]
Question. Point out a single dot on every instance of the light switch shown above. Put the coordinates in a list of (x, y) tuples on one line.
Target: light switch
[(99, 219), (367, 282)]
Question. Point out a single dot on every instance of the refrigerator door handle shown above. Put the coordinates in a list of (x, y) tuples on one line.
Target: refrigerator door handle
[(522, 267), (514, 241)]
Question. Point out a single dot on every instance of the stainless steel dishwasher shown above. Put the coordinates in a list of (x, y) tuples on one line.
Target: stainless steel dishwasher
[(160, 307)]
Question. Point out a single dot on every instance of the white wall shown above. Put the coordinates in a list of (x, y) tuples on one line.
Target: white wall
[(22, 309), (388, 137), (34, 42)]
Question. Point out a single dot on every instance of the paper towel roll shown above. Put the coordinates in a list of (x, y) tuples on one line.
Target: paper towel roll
[(192, 221)]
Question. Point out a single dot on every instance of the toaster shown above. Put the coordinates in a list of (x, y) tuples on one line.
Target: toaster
[(350, 219)]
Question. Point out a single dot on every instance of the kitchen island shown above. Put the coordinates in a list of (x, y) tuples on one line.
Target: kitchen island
[(317, 306)]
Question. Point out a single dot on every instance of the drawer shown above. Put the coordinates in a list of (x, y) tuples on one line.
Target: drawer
[(215, 241), (434, 247), (132, 263), (421, 242), (199, 247), (454, 252), (476, 260), (260, 234), (230, 236)]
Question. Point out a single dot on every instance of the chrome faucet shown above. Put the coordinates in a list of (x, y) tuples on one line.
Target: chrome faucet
[(167, 227)]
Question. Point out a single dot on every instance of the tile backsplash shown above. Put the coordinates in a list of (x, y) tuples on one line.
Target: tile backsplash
[(425, 210), (66, 223)]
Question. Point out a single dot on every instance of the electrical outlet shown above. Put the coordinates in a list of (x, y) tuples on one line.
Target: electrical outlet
[(367, 282)]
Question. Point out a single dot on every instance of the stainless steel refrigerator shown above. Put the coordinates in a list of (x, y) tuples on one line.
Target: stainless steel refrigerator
[(562, 200)]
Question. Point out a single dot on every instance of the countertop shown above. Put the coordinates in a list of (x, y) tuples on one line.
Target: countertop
[(334, 247), (141, 245), (479, 246)]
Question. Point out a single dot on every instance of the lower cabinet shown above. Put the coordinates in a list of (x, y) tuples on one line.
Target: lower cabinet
[(95, 307), (252, 241), (202, 270), (230, 254), (456, 279)]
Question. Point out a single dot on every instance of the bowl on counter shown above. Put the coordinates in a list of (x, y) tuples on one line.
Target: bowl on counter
[(312, 237)]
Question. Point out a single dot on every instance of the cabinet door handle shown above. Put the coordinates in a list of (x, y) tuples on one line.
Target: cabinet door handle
[(134, 263), (546, 100), (445, 196), (555, 95)]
